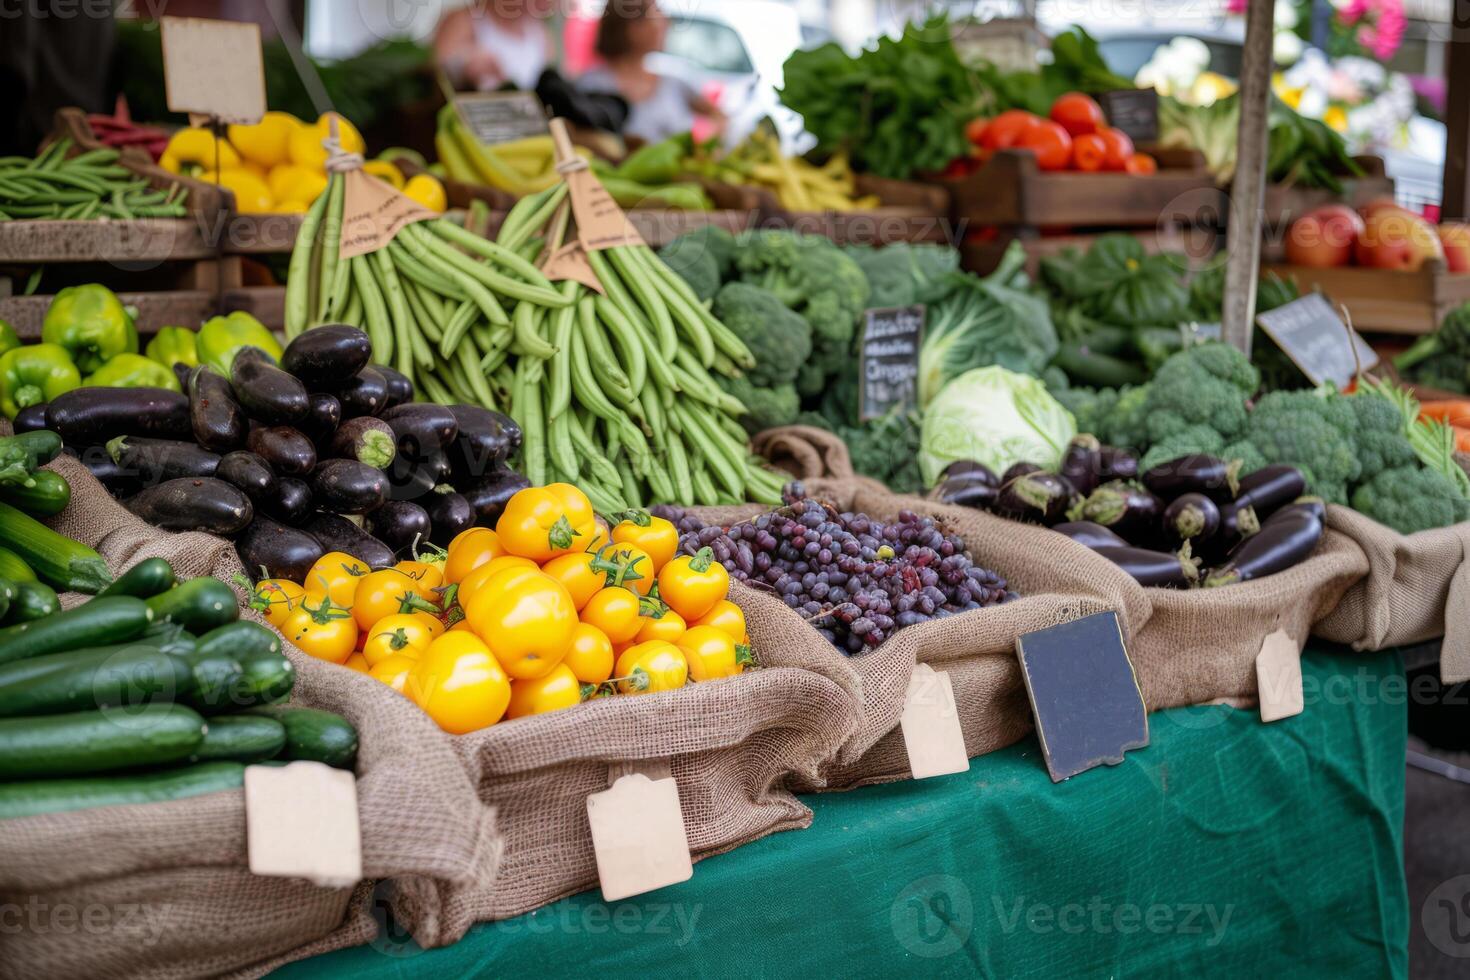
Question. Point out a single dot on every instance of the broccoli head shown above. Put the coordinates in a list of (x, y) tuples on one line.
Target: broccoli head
[(766, 406), (901, 274), (710, 240), (1382, 442), (1185, 442), (1091, 407), (810, 275), (1248, 455), (1411, 498), (1442, 359), (1203, 385), (780, 340), (1315, 432), (694, 264), (1126, 421)]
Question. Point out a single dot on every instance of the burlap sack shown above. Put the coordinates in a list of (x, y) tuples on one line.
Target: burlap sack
[(1417, 588), (808, 453), (170, 881)]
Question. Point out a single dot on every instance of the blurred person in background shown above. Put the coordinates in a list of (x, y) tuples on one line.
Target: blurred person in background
[(492, 43), (660, 106), (47, 62)]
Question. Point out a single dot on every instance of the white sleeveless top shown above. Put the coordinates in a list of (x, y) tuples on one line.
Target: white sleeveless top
[(522, 57)]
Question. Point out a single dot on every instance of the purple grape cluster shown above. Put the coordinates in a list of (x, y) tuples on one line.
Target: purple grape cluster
[(855, 579)]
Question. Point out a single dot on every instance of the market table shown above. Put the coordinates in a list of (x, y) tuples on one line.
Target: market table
[(1227, 846)]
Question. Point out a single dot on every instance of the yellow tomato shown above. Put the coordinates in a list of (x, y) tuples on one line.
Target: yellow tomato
[(599, 535), (384, 593), (337, 574), (472, 582), (251, 167), (712, 653), (305, 145), (558, 689), (460, 684), (657, 536), (590, 657), (580, 573), (267, 141), (693, 585), (542, 523), (632, 567), (404, 634), (385, 171), (357, 662), (615, 612), (469, 550), (430, 577), (426, 190), (725, 615), (431, 622), (321, 629), (670, 626), (646, 668), (274, 598), (527, 618), (395, 672)]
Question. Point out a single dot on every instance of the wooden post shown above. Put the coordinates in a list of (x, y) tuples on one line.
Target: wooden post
[(1243, 245), (1456, 199)]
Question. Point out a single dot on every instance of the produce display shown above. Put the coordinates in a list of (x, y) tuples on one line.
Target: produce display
[(1441, 359), (93, 184), (798, 184), (1381, 235), (118, 131), (521, 167), (1074, 135), (35, 561), (549, 608)]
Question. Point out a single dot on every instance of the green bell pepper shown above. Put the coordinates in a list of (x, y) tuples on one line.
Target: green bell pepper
[(174, 345), (656, 163), (36, 374), (92, 324), (221, 338), (133, 371), (9, 339)]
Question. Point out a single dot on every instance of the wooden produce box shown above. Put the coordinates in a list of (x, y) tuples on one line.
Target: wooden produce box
[(909, 212), (1385, 300), (1285, 203), (1012, 191), (982, 257)]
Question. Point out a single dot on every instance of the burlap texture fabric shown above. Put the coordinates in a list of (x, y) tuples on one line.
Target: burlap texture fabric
[(804, 451), (183, 866), (1417, 588)]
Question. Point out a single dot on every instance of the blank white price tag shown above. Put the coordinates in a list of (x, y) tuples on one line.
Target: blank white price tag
[(931, 725), (638, 834), (301, 822), (1279, 677), (213, 68)]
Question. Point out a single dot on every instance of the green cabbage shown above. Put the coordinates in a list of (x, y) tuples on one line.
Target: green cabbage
[(996, 417)]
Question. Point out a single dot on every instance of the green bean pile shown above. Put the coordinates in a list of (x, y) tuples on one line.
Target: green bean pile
[(89, 185), (613, 390)]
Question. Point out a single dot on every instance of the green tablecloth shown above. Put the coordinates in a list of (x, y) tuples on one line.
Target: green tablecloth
[(1226, 848)]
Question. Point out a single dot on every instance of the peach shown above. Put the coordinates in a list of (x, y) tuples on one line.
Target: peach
[(1394, 238), (1324, 237)]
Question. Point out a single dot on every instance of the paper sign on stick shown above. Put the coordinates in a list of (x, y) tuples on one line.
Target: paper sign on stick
[(373, 212), (213, 68)]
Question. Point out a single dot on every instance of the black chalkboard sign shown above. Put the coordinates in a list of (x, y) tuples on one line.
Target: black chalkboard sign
[(889, 360), (502, 117), (1135, 111), (1088, 707), (1309, 331)]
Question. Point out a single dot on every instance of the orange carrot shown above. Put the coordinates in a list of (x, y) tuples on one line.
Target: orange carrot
[(1454, 411)]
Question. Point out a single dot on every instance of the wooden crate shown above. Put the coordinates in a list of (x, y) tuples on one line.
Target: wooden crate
[(909, 212), (982, 257), (1012, 191), (1285, 203), (1385, 300)]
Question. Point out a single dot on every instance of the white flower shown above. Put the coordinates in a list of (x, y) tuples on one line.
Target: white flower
[(1286, 48)]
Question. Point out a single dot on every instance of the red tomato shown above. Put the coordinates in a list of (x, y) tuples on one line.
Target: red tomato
[(959, 168), (1008, 129), (1051, 144), (1142, 163), (975, 130), (1089, 152), (1120, 149), (1078, 114)]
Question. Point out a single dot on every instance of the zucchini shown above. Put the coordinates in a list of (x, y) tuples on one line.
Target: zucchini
[(241, 640), (98, 741), (59, 561), (198, 605), (214, 678), (27, 799), (315, 735), (242, 738), (268, 678), (103, 677), (144, 580), (116, 619), (13, 567), (33, 601), (46, 497), (40, 446), (219, 660)]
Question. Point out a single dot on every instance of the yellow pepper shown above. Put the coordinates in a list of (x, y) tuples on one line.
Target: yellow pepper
[(527, 618), (615, 612), (252, 196), (558, 689), (670, 626), (725, 615), (712, 653), (692, 585), (468, 551), (289, 182), (399, 635), (657, 536), (395, 671), (646, 668), (632, 567), (541, 523), (305, 144), (385, 171), (268, 141), (192, 150), (459, 683), (426, 189), (336, 574)]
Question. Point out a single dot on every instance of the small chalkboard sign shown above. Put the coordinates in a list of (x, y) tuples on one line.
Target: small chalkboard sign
[(501, 117), (1309, 331), (1135, 111), (889, 360), (1088, 707)]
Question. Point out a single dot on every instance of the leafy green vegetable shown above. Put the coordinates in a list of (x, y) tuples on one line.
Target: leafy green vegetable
[(1441, 359), (886, 449), (1077, 65), (902, 274), (1117, 282), (996, 417)]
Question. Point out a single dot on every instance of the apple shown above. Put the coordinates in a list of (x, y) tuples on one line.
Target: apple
[(1393, 238), (1323, 237), (1379, 204), (1454, 236)]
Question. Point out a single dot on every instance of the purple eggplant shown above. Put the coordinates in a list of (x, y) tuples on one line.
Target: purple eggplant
[(422, 429), (287, 451), (400, 524), (292, 503), (970, 469), (400, 388), (337, 533), (1127, 508), (159, 460), (1089, 534), (322, 420), (1153, 568), (1238, 521), (1315, 506), (218, 421), (964, 491), (325, 354), (488, 496), (1037, 497), (1017, 470), (1082, 463), (1192, 517), (1285, 540), (251, 474), (1196, 473), (1270, 488), (449, 515), (365, 393), (485, 440), (30, 419), (367, 440), (1117, 464), (269, 395), (283, 552), (345, 486)]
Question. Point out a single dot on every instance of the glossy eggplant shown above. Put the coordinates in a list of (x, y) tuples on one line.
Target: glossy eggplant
[(251, 474), (1191, 517), (1115, 463), (1286, 539), (292, 504), (158, 460), (485, 440), (278, 550), (488, 496), (449, 514), (970, 469), (1315, 506), (337, 533), (366, 393), (1216, 478), (422, 428), (1037, 497), (1270, 488), (400, 388), (1091, 534), (964, 491), (1126, 507), (208, 505), (91, 416), (29, 419), (1017, 470), (323, 355), (321, 421), (118, 481), (1159, 569), (367, 440), (1082, 463), (285, 450), (345, 486), (269, 395), (400, 524), (215, 417)]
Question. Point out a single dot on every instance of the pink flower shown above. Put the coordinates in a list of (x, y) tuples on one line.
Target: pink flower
[(1235, 6)]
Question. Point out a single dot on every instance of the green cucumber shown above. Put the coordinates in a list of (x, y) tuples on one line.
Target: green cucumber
[(315, 735), (7, 594), (240, 640), (242, 738), (33, 601), (214, 680), (41, 446), (198, 605), (56, 559), (13, 567), (98, 741), (116, 619), (144, 580), (179, 643), (268, 678), (219, 659), (26, 799), (100, 678), (47, 497)]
